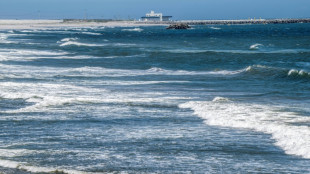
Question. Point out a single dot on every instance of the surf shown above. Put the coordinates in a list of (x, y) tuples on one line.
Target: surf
[(293, 139)]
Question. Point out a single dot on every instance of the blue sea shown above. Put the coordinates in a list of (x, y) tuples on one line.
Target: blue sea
[(211, 99)]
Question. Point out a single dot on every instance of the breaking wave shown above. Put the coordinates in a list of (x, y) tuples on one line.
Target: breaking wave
[(293, 139), (42, 96), (184, 72), (29, 168), (134, 29), (215, 28), (92, 33), (255, 46), (74, 43), (68, 39), (298, 73), (220, 99), (267, 71)]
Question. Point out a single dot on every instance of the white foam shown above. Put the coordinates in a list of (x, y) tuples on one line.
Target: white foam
[(4, 38), (254, 67), (134, 29), (266, 70), (255, 46), (20, 53), (220, 99), (44, 96), (298, 72), (69, 43), (215, 28), (35, 169), (14, 152), (294, 139), (99, 72), (226, 72), (68, 39), (123, 44), (125, 83), (18, 71), (92, 33)]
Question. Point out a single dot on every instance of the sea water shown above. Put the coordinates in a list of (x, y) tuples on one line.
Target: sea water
[(212, 99)]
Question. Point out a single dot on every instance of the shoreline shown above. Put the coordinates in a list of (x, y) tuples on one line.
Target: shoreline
[(234, 22), (6, 24), (45, 24)]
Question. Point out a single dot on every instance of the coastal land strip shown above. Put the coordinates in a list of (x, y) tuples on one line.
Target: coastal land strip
[(37, 24), (235, 22)]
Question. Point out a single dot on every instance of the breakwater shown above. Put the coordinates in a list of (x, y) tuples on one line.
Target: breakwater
[(232, 22)]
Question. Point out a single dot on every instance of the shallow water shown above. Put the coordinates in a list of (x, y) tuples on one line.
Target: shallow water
[(213, 99)]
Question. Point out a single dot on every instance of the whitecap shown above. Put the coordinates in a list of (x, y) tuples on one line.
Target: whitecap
[(294, 72), (42, 96), (91, 33), (70, 43), (15, 152), (293, 139), (4, 38), (24, 55), (255, 46), (35, 169), (267, 71), (69, 39), (123, 44), (215, 28), (155, 69), (134, 29), (220, 99)]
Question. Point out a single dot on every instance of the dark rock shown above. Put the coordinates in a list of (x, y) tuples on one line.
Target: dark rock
[(178, 26)]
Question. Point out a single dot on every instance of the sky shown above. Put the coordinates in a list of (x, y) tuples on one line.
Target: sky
[(134, 9)]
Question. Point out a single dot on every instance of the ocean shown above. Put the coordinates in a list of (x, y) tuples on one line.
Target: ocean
[(211, 99)]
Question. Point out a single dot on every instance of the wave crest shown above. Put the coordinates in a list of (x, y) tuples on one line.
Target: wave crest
[(256, 46), (35, 169), (220, 99), (298, 73), (283, 126), (134, 29), (74, 43), (215, 28)]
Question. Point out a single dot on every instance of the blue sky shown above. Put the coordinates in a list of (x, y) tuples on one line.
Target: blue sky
[(179, 9)]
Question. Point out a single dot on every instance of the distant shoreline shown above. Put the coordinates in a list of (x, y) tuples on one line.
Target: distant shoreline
[(236, 22), (38, 24), (43, 24)]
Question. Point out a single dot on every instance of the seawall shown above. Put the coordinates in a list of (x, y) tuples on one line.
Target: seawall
[(232, 22)]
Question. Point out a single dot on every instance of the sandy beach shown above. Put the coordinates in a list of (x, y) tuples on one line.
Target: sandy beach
[(41, 24)]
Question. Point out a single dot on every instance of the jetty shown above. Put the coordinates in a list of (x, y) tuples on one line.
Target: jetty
[(229, 22), (179, 26)]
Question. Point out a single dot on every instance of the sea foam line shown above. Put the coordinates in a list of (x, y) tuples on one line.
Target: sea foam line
[(17, 71), (68, 43), (134, 29), (35, 169), (292, 138)]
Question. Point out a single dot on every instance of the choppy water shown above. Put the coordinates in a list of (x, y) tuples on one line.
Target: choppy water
[(213, 99)]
